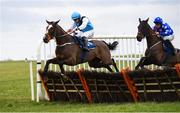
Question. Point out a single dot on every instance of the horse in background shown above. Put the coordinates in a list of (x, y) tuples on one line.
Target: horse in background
[(68, 52), (155, 53)]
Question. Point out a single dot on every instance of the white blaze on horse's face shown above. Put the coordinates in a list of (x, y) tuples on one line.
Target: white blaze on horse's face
[(48, 27), (47, 36)]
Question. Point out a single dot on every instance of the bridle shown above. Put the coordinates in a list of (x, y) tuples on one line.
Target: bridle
[(66, 34), (60, 36), (54, 34)]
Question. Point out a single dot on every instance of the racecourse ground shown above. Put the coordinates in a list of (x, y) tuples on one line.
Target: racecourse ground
[(15, 96)]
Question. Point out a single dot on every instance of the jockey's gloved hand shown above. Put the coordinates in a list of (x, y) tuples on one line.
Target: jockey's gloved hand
[(157, 33), (76, 29)]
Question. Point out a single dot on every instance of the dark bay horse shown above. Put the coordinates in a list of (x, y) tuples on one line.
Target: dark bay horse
[(69, 53), (155, 53)]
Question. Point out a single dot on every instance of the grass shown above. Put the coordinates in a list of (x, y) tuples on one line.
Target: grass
[(15, 96)]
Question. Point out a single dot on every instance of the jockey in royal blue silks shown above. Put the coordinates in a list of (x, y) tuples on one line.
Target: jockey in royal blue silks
[(82, 28), (164, 31)]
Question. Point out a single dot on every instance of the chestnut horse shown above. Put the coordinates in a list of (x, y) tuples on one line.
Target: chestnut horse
[(69, 53), (155, 53)]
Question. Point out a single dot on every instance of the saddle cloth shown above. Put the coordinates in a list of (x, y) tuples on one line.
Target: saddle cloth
[(91, 45)]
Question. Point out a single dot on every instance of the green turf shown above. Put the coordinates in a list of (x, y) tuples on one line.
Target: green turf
[(15, 96)]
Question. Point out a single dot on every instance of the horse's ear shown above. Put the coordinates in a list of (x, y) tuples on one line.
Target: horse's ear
[(147, 19), (139, 20), (48, 22), (56, 21)]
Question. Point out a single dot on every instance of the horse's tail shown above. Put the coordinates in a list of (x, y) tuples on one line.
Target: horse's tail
[(112, 46)]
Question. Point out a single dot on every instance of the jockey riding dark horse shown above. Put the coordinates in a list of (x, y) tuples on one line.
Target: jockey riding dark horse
[(165, 32), (82, 28), (154, 53), (69, 53)]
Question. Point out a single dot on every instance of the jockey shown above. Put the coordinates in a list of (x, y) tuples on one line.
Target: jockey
[(82, 27), (164, 31)]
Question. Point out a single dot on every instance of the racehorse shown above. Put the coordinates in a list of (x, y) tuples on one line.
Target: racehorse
[(68, 52), (155, 53)]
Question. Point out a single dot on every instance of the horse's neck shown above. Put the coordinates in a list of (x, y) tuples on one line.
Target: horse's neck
[(151, 38), (62, 37)]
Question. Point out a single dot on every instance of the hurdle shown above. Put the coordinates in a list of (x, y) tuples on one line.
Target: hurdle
[(125, 86)]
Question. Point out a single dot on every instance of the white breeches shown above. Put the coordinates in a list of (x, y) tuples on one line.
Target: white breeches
[(170, 37), (87, 34)]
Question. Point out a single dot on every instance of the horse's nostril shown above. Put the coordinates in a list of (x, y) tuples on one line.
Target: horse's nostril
[(45, 40), (138, 38)]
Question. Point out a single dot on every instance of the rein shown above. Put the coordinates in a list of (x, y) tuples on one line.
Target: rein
[(65, 34), (67, 43), (154, 45), (154, 34)]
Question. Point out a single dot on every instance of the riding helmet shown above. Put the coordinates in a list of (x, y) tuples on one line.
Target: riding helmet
[(158, 20), (75, 15)]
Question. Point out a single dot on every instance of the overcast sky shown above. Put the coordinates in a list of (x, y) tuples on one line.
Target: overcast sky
[(22, 22)]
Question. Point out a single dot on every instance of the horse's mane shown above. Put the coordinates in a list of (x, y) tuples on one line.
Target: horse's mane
[(151, 33), (60, 28), (145, 23)]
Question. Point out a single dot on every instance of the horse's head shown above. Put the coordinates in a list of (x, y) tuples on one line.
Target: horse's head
[(142, 32), (50, 31)]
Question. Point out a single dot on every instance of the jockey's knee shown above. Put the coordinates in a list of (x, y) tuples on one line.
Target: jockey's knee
[(170, 37)]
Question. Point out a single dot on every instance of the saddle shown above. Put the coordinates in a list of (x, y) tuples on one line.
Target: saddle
[(79, 41)]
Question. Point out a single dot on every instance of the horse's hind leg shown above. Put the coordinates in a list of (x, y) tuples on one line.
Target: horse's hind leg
[(98, 64), (115, 66)]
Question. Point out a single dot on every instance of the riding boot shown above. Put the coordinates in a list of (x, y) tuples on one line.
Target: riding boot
[(169, 44), (85, 44)]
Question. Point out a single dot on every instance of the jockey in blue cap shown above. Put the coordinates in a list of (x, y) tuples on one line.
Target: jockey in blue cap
[(164, 31), (82, 28)]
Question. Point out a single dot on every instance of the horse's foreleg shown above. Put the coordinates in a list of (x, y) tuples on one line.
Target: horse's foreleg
[(70, 61), (54, 61), (109, 68), (141, 63), (61, 68)]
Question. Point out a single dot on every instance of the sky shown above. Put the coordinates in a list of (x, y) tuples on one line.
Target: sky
[(23, 22)]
